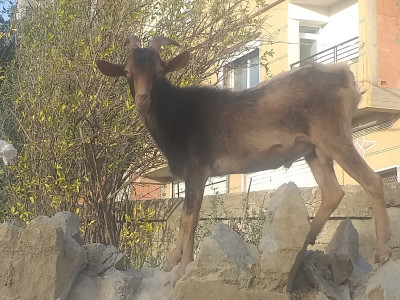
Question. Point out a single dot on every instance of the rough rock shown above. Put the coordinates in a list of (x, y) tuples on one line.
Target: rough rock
[(224, 262), (394, 218), (316, 295), (39, 261), (207, 290), (344, 246), (316, 273), (119, 285), (156, 284), (113, 285), (283, 239), (84, 288), (67, 221), (102, 258), (344, 240), (42, 260), (384, 284), (69, 266), (337, 272), (226, 255), (105, 277)]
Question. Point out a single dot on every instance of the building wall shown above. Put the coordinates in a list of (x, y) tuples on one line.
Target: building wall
[(377, 24), (278, 31), (342, 25), (147, 190), (388, 36), (381, 151), (378, 28), (337, 23), (378, 73), (387, 152), (380, 43), (341, 22), (367, 47)]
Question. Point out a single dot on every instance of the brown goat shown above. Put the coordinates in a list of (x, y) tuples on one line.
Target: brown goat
[(206, 131)]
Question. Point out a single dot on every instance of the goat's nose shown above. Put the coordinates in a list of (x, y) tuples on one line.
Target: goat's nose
[(141, 99)]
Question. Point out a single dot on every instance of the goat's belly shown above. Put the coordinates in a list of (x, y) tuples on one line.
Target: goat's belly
[(271, 158), (268, 164), (233, 166)]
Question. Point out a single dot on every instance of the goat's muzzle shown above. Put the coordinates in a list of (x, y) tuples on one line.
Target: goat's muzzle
[(142, 101)]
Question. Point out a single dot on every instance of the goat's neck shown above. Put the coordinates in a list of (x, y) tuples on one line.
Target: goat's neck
[(164, 94)]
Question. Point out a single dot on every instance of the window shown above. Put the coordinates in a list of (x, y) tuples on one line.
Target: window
[(389, 175), (308, 41), (178, 189), (214, 185), (243, 72)]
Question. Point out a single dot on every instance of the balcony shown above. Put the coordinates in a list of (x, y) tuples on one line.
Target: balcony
[(346, 51), (369, 69)]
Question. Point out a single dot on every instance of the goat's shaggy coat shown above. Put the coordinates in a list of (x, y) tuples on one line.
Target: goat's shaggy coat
[(205, 131)]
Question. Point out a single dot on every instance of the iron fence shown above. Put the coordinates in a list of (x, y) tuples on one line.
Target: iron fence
[(345, 51)]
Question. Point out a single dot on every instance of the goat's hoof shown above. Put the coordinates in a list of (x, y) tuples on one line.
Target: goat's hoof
[(171, 263), (174, 280), (167, 268), (178, 274), (382, 254), (310, 240), (381, 259)]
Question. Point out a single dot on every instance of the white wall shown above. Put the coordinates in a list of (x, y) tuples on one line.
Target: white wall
[(299, 173), (338, 24), (293, 40), (341, 27)]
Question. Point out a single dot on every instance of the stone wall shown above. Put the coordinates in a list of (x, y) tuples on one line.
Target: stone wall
[(355, 206), (48, 260)]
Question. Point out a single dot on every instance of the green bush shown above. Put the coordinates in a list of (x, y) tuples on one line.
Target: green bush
[(82, 144)]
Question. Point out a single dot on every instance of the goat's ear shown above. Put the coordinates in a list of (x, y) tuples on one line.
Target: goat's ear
[(109, 69), (178, 62)]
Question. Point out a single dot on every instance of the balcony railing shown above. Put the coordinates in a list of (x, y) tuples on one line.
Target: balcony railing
[(345, 51)]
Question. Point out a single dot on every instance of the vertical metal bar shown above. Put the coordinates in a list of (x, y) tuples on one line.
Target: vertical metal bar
[(247, 73), (335, 54)]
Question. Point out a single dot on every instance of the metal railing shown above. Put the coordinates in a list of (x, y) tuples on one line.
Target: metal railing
[(345, 51)]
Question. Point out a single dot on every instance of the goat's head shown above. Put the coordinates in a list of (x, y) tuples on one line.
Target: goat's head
[(144, 68)]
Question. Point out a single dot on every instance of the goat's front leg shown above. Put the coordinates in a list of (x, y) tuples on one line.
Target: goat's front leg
[(184, 251), (176, 255), (322, 168)]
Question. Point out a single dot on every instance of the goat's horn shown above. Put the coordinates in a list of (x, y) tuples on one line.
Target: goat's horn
[(158, 41), (133, 42)]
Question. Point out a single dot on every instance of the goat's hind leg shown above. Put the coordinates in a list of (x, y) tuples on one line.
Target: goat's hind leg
[(348, 158), (322, 169)]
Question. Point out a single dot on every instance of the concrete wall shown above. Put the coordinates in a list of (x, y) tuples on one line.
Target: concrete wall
[(354, 205)]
